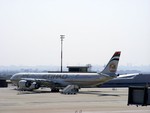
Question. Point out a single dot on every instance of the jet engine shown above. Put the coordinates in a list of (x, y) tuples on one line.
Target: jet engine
[(27, 85)]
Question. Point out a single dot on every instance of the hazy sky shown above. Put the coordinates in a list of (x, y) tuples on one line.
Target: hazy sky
[(94, 29)]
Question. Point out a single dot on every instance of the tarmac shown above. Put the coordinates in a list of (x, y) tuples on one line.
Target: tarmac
[(88, 100)]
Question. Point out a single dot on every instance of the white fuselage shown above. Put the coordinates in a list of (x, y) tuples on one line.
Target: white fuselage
[(63, 79)]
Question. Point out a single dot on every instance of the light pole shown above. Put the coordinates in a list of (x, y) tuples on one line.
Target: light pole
[(62, 37)]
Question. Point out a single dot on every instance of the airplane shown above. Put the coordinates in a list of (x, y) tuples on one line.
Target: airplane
[(69, 83)]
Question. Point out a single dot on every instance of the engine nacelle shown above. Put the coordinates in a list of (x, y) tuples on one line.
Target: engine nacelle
[(26, 85), (34, 85)]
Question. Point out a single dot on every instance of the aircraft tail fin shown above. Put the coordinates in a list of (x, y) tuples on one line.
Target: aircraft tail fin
[(112, 65)]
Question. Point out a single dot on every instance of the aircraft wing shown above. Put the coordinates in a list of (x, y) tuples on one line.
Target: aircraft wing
[(127, 76)]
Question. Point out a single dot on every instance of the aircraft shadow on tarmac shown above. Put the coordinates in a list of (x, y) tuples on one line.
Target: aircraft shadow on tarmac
[(32, 92), (98, 93), (90, 93)]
